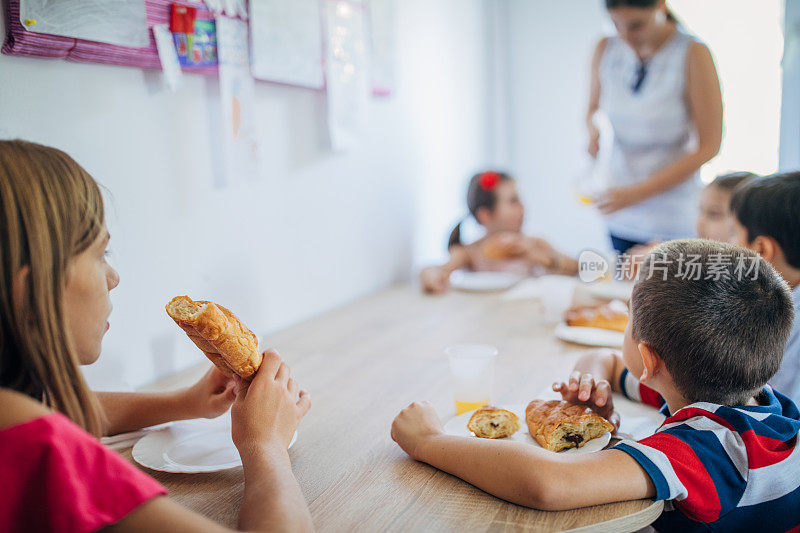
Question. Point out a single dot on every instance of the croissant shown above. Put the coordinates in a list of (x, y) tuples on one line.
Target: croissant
[(558, 425), (219, 334), (493, 423), (613, 316)]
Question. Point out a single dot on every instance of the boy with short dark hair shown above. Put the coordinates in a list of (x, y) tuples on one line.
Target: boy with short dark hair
[(702, 343), (767, 220)]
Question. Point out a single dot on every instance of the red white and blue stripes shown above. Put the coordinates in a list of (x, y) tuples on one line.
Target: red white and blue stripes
[(725, 468)]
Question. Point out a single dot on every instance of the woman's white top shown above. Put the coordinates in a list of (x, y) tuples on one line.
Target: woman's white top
[(652, 128)]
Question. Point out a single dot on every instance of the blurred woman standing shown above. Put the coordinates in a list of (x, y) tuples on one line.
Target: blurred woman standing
[(659, 88)]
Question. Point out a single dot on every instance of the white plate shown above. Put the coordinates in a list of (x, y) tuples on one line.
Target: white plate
[(610, 290), (458, 426), (589, 336), (483, 281), (190, 446), (550, 287)]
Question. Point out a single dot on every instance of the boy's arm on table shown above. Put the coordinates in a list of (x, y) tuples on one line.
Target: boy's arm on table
[(539, 478), (520, 473)]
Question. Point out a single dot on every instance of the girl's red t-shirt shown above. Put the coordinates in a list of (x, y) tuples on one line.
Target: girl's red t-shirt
[(56, 477)]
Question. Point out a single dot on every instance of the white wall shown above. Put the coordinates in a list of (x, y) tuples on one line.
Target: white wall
[(318, 230), (747, 44), (454, 123), (550, 45)]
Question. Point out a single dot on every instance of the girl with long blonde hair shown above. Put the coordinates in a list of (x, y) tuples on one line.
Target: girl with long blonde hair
[(54, 309)]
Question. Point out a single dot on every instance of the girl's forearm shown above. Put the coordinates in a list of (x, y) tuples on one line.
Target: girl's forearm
[(509, 470), (272, 498), (565, 264), (129, 411), (459, 258)]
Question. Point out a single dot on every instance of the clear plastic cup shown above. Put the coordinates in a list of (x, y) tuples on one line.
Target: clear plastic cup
[(556, 297), (591, 182), (472, 373)]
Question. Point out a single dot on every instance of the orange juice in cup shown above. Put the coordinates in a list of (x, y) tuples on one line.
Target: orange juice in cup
[(472, 373), (463, 407)]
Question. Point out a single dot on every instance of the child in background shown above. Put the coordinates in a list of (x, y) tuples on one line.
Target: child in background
[(714, 217), (54, 307), (767, 220), (493, 201), (726, 458)]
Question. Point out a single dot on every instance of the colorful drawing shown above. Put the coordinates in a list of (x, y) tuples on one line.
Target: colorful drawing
[(239, 143), (198, 49)]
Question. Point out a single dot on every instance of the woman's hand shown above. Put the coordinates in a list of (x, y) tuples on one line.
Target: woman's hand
[(211, 396), (594, 141), (583, 389), (620, 197), (435, 280), (415, 425), (266, 412)]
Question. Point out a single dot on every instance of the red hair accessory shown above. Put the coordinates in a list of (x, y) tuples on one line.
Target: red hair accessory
[(489, 180)]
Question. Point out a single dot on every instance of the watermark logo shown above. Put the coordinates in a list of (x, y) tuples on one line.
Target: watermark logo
[(592, 266)]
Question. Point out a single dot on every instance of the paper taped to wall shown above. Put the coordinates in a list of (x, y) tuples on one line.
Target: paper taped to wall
[(346, 75), (286, 41), (121, 22), (168, 56), (240, 147)]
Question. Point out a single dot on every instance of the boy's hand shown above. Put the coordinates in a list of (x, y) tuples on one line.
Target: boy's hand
[(414, 425), (582, 389), (211, 396)]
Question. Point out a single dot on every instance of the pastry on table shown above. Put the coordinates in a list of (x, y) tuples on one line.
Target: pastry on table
[(493, 423), (558, 425), (219, 334), (612, 316)]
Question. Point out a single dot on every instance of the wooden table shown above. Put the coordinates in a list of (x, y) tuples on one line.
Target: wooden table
[(362, 364)]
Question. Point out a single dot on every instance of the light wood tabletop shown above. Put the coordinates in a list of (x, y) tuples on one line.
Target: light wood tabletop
[(365, 362)]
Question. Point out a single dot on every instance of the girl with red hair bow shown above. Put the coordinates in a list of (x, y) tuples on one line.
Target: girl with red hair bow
[(493, 201)]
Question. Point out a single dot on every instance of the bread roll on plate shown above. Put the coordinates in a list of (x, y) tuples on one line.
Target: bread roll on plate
[(558, 425), (219, 334), (493, 423), (612, 316)]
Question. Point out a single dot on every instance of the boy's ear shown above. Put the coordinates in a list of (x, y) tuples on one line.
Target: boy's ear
[(766, 247), (483, 215), (651, 362)]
